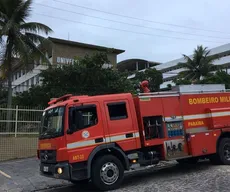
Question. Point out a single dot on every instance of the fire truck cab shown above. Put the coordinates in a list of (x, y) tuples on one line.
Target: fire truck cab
[(97, 138)]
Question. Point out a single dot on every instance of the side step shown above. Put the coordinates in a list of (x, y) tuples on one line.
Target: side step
[(184, 157)]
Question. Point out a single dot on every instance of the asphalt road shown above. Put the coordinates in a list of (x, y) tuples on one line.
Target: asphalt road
[(199, 178), (23, 176)]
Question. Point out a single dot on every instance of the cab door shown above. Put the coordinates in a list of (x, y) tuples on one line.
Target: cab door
[(120, 124), (85, 130)]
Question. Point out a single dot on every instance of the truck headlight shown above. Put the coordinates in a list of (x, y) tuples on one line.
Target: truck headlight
[(59, 170)]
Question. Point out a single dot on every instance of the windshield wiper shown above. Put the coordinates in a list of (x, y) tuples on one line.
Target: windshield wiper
[(50, 133)]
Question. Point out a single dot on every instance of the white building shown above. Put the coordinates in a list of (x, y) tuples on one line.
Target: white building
[(170, 69)]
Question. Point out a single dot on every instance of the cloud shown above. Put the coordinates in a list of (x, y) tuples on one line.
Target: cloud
[(205, 15)]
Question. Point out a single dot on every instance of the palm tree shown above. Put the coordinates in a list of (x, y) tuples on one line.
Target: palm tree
[(21, 37), (199, 66)]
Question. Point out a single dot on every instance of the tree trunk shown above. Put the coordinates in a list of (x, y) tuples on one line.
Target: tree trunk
[(9, 103), (9, 97)]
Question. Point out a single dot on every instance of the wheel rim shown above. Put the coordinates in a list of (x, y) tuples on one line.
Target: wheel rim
[(109, 173), (227, 152)]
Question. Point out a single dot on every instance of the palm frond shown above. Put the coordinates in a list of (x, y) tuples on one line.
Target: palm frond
[(3, 17), (23, 11), (187, 58), (9, 26), (199, 53), (201, 64), (3, 11), (35, 52), (187, 74), (35, 27), (2, 23), (37, 39), (188, 64), (20, 48)]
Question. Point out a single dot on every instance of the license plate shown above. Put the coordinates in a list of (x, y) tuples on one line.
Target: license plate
[(45, 169)]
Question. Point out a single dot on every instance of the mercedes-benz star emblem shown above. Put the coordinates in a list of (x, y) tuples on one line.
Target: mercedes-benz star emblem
[(45, 157)]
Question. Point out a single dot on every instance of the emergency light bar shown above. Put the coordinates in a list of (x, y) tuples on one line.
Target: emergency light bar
[(66, 97), (63, 98)]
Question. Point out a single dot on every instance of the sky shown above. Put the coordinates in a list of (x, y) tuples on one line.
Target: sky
[(148, 29)]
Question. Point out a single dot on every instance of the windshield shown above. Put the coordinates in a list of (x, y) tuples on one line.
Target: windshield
[(52, 123)]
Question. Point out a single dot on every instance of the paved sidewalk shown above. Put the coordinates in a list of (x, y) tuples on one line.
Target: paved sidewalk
[(23, 175)]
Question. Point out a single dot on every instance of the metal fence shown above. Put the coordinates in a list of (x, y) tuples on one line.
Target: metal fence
[(19, 128)]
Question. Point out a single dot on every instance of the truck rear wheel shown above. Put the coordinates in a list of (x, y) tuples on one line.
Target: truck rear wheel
[(107, 173), (223, 151)]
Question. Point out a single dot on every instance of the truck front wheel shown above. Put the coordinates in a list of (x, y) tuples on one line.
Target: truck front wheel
[(107, 173)]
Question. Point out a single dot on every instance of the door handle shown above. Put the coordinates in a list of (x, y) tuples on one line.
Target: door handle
[(128, 135), (99, 140)]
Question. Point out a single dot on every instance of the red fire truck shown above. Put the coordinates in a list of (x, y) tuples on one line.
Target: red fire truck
[(98, 138)]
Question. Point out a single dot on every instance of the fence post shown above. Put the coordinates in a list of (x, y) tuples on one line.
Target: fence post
[(16, 121)]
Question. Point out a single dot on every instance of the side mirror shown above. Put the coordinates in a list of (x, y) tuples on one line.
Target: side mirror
[(69, 131)]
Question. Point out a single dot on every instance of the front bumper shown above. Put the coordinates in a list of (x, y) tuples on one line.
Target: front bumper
[(50, 170), (70, 172)]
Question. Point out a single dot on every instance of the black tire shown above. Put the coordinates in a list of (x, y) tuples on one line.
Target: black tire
[(100, 181), (223, 151), (191, 161)]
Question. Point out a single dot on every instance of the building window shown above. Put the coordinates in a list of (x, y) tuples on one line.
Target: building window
[(36, 79), (27, 84), (23, 86), (36, 63), (32, 81), (117, 111)]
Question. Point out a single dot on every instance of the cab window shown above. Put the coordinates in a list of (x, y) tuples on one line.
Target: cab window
[(82, 117), (117, 111)]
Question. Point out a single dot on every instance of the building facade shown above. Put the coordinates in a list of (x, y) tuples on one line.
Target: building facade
[(59, 52), (170, 69), (132, 65)]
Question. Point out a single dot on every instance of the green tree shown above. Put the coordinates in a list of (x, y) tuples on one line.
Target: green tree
[(198, 67), (182, 81), (86, 77), (220, 77), (169, 86), (21, 36), (37, 96), (154, 77)]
